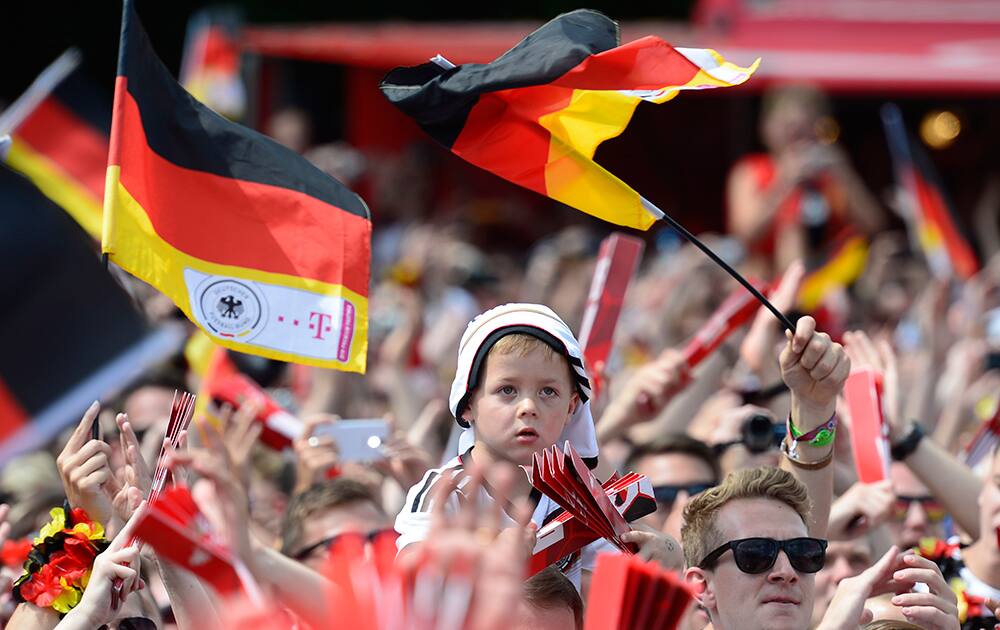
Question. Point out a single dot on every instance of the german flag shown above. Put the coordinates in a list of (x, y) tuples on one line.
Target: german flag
[(931, 223), (59, 134), (210, 70), (536, 115), (267, 254), (842, 267)]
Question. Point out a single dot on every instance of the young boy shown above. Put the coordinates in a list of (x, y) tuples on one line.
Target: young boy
[(520, 387)]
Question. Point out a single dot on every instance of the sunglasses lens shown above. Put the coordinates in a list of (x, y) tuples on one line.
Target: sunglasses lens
[(807, 555), (935, 511), (665, 494), (755, 555)]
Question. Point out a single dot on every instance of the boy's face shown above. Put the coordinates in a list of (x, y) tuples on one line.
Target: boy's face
[(521, 405)]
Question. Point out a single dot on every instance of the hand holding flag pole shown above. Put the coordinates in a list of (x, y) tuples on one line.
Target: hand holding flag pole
[(536, 115)]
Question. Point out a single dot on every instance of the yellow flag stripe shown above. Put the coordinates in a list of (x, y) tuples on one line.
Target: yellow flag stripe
[(52, 180), (593, 116), (133, 244), (840, 271)]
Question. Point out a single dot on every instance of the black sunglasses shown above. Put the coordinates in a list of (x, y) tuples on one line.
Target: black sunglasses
[(668, 493), (757, 555), (326, 543)]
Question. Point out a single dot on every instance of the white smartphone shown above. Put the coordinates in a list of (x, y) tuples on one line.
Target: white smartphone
[(357, 440)]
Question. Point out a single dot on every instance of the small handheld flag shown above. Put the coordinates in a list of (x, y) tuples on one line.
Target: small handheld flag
[(536, 115), (616, 264), (259, 248), (869, 432)]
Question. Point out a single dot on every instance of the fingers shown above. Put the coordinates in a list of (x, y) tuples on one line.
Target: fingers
[(309, 424), (881, 571), (922, 570), (125, 534), (804, 330), (816, 348), (931, 617), (81, 434), (886, 354), (439, 498), (4, 525), (130, 443)]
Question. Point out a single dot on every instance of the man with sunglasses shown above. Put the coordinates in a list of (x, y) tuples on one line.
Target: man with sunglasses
[(317, 517), (679, 467), (750, 558), (916, 514)]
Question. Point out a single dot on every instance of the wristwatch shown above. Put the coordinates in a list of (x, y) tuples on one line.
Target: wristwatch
[(905, 447)]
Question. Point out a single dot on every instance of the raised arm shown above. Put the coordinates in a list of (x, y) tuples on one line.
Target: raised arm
[(814, 368), (950, 481)]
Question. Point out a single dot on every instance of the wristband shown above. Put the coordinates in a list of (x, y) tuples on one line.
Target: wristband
[(905, 447), (792, 456), (820, 436)]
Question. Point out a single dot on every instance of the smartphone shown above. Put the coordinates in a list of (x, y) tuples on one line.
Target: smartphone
[(357, 440)]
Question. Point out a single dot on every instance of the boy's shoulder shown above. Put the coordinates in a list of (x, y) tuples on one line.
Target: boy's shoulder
[(413, 522), (420, 495)]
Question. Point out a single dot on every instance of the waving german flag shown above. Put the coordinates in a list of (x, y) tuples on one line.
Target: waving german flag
[(263, 251), (59, 139), (536, 115), (929, 218)]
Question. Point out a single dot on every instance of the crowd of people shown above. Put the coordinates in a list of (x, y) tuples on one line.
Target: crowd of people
[(474, 363)]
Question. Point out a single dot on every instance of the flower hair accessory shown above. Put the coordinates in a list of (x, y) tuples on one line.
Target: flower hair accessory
[(60, 561)]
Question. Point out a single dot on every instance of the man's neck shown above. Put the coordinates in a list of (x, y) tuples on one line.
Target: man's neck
[(486, 460), (983, 559)]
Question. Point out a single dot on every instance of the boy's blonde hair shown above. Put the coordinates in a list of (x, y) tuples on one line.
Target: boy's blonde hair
[(699, 535), (521, 345)]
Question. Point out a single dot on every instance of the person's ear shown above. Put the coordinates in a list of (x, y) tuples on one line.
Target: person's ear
[(574, 403), (467, 415), (696, 578)]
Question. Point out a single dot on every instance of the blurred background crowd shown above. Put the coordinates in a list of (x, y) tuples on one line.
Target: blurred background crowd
[(788, 178)]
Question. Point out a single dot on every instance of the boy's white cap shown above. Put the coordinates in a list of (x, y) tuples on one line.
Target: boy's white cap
[(538, 321)]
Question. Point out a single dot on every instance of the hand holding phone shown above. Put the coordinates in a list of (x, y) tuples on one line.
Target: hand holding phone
[(357, 440)]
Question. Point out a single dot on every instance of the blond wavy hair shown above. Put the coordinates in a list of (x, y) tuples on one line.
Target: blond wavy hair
[(699, 535)]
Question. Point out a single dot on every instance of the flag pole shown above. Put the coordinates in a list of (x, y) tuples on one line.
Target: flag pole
[(732, 272)]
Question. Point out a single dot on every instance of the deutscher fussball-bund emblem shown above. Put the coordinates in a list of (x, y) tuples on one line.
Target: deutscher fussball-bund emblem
[(231, 308)]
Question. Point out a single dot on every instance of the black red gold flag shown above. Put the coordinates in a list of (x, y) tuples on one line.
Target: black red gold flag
[(263, 251)]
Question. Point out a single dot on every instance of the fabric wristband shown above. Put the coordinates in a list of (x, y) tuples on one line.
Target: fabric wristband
[(820, 436)]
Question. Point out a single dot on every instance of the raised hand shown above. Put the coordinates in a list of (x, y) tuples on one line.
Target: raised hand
[(472, 548), (859, 510), (814, 368), (240, 431), (117, 562), (404, 462), (880, 357), (936, 609), (314, 455), (645, 395), (228, 511), (85, 470)]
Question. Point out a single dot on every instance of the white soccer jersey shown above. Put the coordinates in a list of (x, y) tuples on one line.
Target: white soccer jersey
[(414, 520)]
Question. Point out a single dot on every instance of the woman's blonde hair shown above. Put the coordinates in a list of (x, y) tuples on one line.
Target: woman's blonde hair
[(699, 535)]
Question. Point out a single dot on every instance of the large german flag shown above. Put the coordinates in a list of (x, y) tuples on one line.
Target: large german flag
[(59, 134), (536, 115), (263, 251)]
